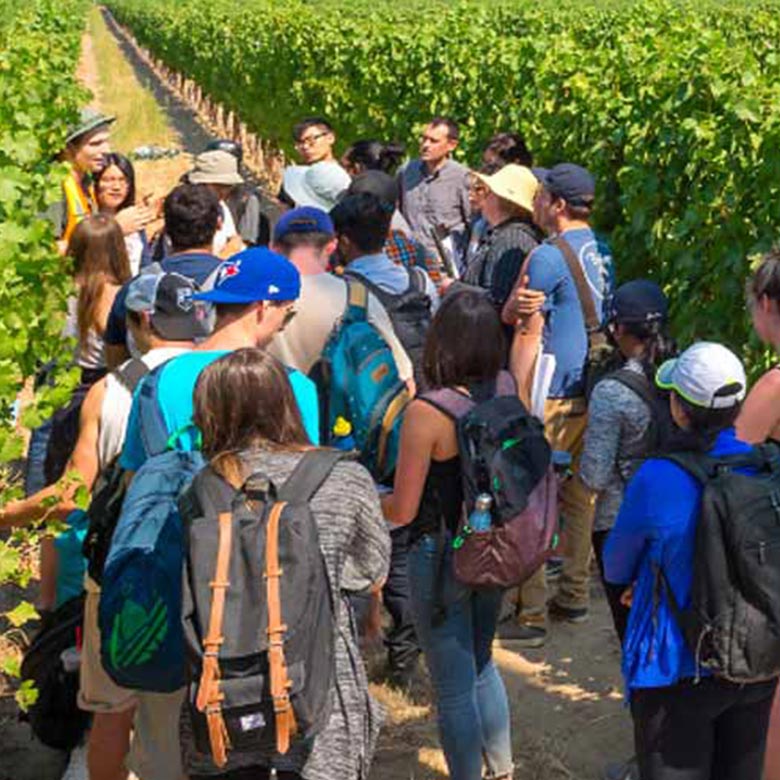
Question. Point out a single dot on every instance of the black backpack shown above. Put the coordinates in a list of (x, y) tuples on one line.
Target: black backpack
[(733, 624), (256, 232), (410, 313), (55, 717), (260, 638), (109, 491)]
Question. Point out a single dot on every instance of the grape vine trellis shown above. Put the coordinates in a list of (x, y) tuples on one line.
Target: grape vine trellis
[(673, 104)]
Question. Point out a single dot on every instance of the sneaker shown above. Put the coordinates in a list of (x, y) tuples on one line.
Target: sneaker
[(553, 569), (522, 634), (571, 614), (626, 770)]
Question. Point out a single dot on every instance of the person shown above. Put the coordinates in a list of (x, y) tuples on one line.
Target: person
[(371, 155), (245, 201), (306, 237), (562, 208), (192, 216), (254, 296), (86, 144), (511, 236), (505, 148), (246, 410), (435, 191), (464, 351), (218, 170), (759, 420), (688, 722), (620, 418), (115, 192), (320, 184), (314, 139), (163, 326)]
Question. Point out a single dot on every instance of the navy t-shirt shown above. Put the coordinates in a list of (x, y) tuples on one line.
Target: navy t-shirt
[(564, 328), (197, 266)]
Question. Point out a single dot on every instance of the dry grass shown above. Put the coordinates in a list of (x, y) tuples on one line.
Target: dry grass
[(140, 120)]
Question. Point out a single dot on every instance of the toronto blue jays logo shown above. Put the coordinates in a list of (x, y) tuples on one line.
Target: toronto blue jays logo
[(227, 271)]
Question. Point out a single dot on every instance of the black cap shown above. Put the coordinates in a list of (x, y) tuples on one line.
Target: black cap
[(377, 183), (640, 301), (568, 181), (226, 145)]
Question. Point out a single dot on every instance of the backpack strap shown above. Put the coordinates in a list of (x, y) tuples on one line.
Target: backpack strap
[(592, 322), (280, 683), (639, 383), (131, 373), (309, 474), (417, 280), (384, 296), (357, 300), (154, 430), (448, 401), (505, 384), (209, 699)]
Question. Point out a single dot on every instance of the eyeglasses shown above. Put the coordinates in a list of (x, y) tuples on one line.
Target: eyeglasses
[(303, 143)]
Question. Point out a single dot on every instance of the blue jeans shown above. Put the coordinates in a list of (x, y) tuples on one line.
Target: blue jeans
[(473, 712)]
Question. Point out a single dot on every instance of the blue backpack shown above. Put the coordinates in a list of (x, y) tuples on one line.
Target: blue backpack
[(141, 639), (358, 380)]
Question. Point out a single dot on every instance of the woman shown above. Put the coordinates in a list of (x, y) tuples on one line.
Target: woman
[(241, 437), (507, 207), (689, 723), (115, 191), (464, 350), (759, 420), (372, 155), (620, 419), (505, 148)]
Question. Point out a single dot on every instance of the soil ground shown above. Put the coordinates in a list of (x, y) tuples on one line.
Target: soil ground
[(568, 719)]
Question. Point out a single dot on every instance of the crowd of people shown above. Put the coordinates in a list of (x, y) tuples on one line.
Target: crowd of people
[(229, 318)]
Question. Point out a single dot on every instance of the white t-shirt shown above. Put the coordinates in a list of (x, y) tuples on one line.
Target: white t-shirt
[(227, 231), (117, 401), (321, 304)]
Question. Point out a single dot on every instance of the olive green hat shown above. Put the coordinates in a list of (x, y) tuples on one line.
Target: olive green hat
[(89, 120)]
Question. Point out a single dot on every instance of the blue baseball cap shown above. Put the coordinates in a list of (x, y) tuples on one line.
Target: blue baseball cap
[(568, 181), (306, 219), (254, 275)]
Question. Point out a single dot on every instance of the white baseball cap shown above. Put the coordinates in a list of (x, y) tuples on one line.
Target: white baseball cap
[(320, 185), (707, 375)]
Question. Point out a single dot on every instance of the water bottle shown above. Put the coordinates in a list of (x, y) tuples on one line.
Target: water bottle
[(342, 435), (480, 519)]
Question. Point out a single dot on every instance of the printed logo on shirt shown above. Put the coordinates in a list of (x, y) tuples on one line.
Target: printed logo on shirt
[(592, 259)]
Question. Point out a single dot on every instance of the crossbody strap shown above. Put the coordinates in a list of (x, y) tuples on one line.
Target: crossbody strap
[(592, 321), (210, 698), (286, 725)]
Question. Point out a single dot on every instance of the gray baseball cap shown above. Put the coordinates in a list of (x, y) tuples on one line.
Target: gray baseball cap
[(707, 375), (320, 185)]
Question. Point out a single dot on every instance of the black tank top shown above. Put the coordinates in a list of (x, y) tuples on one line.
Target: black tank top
[(442, 498)]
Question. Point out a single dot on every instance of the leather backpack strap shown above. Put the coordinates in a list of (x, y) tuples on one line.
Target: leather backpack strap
[(286, 725), (209, 699), (592, 322)]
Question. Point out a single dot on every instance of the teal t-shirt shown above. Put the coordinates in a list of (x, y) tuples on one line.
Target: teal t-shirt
[(174, 395)]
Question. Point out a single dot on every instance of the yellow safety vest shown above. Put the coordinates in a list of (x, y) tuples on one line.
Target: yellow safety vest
[(78, 203)]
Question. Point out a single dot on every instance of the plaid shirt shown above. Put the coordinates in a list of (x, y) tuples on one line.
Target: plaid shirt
[(408, 252)]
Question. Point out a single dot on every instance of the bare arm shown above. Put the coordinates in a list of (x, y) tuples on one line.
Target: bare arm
[(760, 415), (525, 348)]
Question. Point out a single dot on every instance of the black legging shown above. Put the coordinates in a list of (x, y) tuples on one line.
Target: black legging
[(614, 592)]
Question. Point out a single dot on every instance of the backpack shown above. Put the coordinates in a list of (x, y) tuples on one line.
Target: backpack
[(503, 452), (733, 624), (258, 231), (357, 379), (602, 358), (109, 491), (260, 638), (409, 312), (55, 717), (141, 641)]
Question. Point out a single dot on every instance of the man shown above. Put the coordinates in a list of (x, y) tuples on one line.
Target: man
[(164, 322), (562, 208), (306, 237), (254, 296), (314, 140), (192, 217), (218, 170), (435, 192), (245, 200)]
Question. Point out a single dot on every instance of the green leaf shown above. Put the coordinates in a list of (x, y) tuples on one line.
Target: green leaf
[(21, 614), (27, 695)]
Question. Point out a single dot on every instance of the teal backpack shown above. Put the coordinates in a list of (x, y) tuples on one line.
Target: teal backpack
[(358, 381)]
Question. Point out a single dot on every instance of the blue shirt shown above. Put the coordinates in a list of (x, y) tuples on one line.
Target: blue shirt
[(197, 266), (657, 525), (564, 328), (380, 270), (174, 395)]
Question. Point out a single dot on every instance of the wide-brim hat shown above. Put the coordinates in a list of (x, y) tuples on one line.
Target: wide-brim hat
[(215, 167), (514, 183), (89, 121), (320, 185)]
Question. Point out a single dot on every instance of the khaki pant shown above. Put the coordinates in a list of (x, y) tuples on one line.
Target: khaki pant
[(565, 422)]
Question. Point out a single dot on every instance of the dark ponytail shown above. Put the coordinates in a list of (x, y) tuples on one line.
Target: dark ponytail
[(370, 155), (658, 345)]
